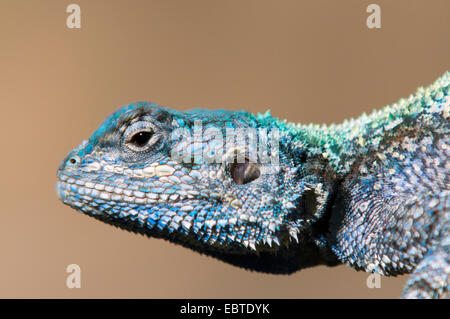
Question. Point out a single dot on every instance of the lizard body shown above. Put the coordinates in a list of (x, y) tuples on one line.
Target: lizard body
[(273, 196)]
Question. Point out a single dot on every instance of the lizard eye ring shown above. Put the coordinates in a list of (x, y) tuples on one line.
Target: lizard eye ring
[(140, 136), (75, 159)]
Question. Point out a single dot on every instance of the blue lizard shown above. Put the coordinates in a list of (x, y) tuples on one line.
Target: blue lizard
[(276, 197)]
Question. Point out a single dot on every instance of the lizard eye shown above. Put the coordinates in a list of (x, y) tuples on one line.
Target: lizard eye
[(243, 173), (140, 136), (140, 139)]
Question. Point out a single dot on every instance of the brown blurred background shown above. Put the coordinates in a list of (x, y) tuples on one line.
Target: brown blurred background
[(307, 61)]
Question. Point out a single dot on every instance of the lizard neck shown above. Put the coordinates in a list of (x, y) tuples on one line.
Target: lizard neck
[(359, 159), (342, 144), (390, 162)]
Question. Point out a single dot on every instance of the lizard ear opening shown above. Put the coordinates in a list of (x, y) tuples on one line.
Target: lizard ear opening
[(243, 173)]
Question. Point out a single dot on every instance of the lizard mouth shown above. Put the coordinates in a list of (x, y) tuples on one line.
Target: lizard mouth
[(139, 206), (86, 191), (118, 205), (155, 212)]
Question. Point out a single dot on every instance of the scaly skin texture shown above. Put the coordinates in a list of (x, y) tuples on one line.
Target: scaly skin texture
[(371, 192)]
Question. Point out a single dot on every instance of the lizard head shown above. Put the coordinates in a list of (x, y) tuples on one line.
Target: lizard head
[(228, 184)]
